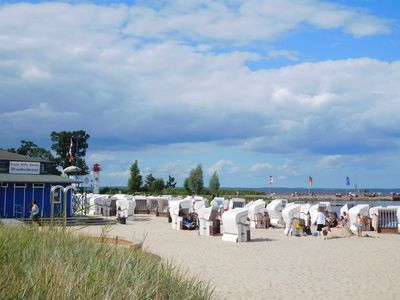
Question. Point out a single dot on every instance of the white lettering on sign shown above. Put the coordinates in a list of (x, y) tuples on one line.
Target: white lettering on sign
[(24, 167)]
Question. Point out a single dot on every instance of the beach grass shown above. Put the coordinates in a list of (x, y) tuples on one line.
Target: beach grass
[(53, 264)]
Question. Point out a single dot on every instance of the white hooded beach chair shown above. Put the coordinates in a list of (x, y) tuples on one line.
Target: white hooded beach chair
[(274, 209), (208, 222), (362, 209), (237, 203), (127, 204), (304, 210), (324, 206), (163, 206), (179, 206), (152, 205), (345, 208), (289, 213), (141, 205), (256, 208), (235, 226)]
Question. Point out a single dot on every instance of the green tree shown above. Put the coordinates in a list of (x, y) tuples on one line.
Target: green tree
[(30, 149), (186, 185), (171, 183), (157, 185), (61, 145), (135, 181), (196, 182), (214, 183), (148, 182)]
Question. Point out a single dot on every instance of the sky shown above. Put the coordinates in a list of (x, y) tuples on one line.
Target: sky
[(249, 89)]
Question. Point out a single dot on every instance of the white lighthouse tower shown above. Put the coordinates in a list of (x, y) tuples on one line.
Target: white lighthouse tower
[(96, 175)]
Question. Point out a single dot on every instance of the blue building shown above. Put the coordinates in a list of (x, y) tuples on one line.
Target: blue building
[(23, 179)]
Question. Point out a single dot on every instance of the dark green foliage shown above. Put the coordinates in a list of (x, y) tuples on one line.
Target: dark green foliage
[(114, 190), (157, 185), (135, 180), (148, 181), (196, 182), (186, 185), (214, 184), (171, 183), (61, 144)]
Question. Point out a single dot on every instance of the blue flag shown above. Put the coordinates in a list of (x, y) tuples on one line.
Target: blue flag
[(347, 180)]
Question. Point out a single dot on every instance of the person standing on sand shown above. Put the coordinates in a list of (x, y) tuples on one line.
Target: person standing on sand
[(320, 222), (35, 214), (359, 224)]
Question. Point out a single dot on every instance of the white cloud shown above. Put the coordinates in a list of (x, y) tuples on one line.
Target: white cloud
[(290, 55), (35, 74), (137, 76), (247, 21), (223, 166), (102, 157), (179, 169), (329, 161), (260, 167)]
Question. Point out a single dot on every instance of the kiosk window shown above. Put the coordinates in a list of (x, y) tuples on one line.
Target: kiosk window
[(20, 185)]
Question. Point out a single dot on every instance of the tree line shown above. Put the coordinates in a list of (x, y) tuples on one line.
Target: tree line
[(193, 184)]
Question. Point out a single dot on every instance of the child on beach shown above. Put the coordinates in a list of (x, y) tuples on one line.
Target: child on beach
[(320, 222), (359, 224)]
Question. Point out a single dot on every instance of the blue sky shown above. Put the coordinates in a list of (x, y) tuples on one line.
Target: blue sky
[(245, 88)]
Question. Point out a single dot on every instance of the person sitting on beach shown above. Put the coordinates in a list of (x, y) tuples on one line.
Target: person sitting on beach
[(333, 219)]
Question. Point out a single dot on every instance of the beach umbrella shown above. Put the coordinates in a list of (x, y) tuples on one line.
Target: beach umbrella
[(72, 169)]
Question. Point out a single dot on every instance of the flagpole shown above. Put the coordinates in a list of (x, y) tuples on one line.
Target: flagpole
[(270, 183)]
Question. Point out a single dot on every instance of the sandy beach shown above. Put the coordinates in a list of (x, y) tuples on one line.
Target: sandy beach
[(272, 265)]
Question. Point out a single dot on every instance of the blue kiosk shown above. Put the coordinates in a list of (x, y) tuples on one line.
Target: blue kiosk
[(23, 179)]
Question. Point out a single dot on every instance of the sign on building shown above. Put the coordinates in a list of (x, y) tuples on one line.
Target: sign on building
[(24, 167)]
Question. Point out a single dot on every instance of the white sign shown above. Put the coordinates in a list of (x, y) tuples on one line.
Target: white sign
[(24, 167)]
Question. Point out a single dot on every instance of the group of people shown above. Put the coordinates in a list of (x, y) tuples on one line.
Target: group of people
[(326, 221)]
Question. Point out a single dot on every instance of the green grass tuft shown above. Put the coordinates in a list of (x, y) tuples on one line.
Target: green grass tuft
[(52, 264)]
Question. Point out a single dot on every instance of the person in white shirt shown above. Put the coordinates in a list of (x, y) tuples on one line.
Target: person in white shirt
[(320, 222), (35, 213)]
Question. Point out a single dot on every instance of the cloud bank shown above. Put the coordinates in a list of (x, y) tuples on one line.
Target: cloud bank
[(161, 73)]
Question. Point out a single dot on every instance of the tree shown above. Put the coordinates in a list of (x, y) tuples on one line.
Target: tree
[(214, 183), (135, 181), (30, 149), (186, 185), (171, 183), (157, 185), (148, 182), (62, 143), (196, 182)]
